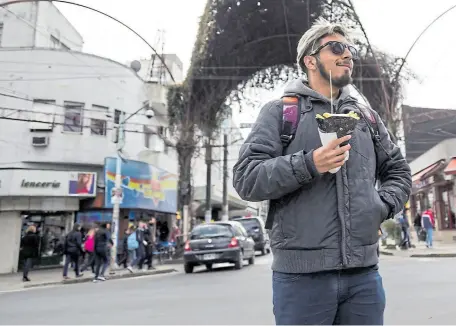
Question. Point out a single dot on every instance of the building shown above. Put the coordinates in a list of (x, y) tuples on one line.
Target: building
[(424, 128), (154, 71), (434, 186), (59, 114), (37, 25)]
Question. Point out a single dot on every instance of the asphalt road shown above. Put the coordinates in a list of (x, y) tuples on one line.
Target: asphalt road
[(419, 291)]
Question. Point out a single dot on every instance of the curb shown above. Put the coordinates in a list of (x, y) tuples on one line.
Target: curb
[(178, 261), (435, 255), (111, 277), (448, 255)]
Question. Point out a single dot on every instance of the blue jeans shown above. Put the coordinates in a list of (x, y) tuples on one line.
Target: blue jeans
[(350, 297), (429, 237)]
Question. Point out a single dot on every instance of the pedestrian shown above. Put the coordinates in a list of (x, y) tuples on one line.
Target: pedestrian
[(139, 247), (405, 226), (150, 238), (427, 223), (102, 241), (123, 249), (324, 235), (29, 246), (132, 246), (417, 225), (73, 251), (89, 248)]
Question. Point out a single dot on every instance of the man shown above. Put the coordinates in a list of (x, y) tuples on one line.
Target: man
[(149, 237), (73, 251), (325, 226), (102, 250)]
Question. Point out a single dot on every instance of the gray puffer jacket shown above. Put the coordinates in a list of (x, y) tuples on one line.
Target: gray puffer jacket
[(321, 222)]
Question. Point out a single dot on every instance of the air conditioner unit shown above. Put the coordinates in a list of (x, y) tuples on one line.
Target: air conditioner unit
[(40, 141)]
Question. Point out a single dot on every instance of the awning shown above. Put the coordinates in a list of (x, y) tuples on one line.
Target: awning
[(451, 167), (417, 176)]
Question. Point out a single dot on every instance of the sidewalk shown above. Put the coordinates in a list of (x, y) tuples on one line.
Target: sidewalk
[(39, 278), (440, 250)]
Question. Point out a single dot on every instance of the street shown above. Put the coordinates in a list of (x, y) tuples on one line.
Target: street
[(419, 291)]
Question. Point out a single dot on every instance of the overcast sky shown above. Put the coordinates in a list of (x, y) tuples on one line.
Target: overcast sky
[(392, 26)]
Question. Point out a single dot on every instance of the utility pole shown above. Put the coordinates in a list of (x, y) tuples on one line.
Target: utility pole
[(118, 180), (208, 215), (225, 208)]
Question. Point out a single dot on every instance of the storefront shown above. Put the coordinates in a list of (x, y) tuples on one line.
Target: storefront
[(44, 198), (434, 188), (147, 191)]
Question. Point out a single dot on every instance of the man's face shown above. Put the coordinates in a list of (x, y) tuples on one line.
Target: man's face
[(341, 66)]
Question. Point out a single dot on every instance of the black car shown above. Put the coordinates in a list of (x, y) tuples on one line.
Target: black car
[(218, 242), (256, 229)]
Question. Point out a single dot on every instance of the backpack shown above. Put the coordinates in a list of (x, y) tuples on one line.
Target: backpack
[(132, 242), (291, 116)]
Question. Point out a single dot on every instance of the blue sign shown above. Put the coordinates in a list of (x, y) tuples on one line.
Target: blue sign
[(93, 216), (143, 186)]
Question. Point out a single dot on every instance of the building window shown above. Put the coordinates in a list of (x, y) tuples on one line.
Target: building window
[(73, 117), (117, 114), (98, 127)]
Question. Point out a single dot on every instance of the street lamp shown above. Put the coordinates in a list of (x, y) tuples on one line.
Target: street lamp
[(118, 180)]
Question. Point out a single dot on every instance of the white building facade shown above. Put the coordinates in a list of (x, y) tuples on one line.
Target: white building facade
[(59, 113)]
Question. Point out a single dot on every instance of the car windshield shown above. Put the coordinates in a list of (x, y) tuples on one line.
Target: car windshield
[(250, 224), (211, 231)]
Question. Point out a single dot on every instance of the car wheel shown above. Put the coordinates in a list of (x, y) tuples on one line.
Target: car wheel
[(209, 267), (268, 251), (188, 268), (263, 252), (252, 259), (240, 262)]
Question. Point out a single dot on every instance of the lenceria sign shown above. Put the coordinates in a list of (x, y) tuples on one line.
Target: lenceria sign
[(34, 184)]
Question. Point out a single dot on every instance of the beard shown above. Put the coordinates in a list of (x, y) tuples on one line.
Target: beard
[(339, 82)]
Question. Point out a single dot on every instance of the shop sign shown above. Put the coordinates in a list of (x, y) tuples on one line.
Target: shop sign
[(47, 183), (144, 186), (423, 183), (39, 184)]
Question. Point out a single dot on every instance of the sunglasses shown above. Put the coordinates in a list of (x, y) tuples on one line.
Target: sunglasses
[(338, 48)]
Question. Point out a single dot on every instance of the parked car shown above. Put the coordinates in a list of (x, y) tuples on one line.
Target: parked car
[(256, 229), (218, 242)]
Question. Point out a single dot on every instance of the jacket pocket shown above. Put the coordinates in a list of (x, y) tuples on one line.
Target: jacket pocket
[(367, 212), (362, 161)]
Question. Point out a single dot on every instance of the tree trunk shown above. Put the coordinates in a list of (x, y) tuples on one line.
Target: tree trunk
[(185, 176)]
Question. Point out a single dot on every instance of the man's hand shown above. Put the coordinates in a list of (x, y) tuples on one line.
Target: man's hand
[(331, 156)]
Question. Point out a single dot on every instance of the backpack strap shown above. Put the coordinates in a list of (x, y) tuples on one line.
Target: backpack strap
[(371, 122), (291, 115)]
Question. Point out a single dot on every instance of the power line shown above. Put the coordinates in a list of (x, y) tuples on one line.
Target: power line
[(45, 34), (3, 5), (58, 105)]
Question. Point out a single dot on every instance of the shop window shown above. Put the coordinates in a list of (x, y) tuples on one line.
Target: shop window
[(51, 230)]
